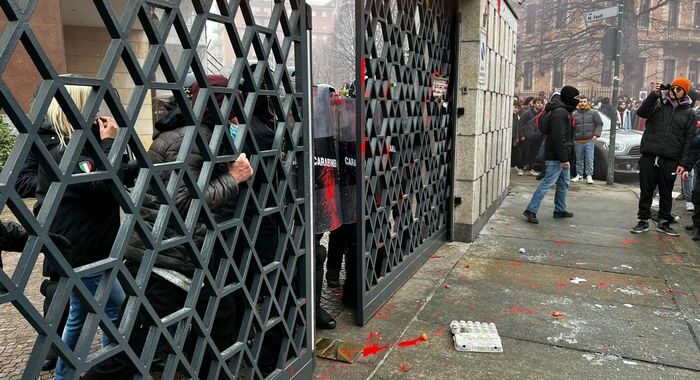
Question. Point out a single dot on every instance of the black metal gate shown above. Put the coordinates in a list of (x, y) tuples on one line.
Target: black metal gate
[(406, 54), (275, 296)]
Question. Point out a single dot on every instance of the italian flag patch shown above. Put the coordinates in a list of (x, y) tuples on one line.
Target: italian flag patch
[(86, 166)]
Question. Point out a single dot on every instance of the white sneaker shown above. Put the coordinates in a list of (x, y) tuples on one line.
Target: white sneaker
[(534, 173), (689, 206), (520, 172), (589, 179), (576, 179)]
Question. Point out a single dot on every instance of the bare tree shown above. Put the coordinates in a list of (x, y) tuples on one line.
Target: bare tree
[(343, 47), (564, 36)]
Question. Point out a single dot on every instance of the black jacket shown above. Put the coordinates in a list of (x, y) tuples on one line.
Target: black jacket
[(559, 144), (88, 213), (669, 130), (220, 190), (27, 178)]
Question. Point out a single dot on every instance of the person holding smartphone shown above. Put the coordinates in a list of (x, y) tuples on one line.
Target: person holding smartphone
[(666, 153)]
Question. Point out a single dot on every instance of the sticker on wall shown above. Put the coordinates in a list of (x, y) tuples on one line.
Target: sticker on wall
[(483, 51)]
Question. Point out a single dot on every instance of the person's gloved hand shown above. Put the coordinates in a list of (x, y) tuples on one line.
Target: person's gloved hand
[(13, 237)]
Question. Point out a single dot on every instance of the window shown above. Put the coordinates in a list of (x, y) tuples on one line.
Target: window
[(669, 70), (324, 14), (530, 18), (673, 13), (696, 17), (527, 75), (558, 74), (606, 70), (561, 13), (694, 71), (644, 14)]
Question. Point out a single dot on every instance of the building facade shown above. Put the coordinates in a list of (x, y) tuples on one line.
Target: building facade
[(558, 47)]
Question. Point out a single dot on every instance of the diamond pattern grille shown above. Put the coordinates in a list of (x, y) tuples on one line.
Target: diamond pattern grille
[(273, 309), (406, 140)]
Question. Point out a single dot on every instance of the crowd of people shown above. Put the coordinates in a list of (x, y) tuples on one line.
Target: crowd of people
[(670, 148)]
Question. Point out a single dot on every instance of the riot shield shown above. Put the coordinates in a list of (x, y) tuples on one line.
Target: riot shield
[(326, 194), (343, 110)]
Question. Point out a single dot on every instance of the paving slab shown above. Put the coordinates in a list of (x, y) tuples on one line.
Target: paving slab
[(655, 335), (616, 260), (571, 282), (437, 359)]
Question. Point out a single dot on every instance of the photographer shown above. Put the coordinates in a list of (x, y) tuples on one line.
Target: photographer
[(666, 153)]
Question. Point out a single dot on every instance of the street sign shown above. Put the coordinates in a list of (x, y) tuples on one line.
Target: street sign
[(601, 14)]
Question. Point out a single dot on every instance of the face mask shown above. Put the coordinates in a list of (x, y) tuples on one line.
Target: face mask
[(233, 130)]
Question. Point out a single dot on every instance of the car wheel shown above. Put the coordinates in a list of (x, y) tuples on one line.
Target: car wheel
[(600, 166)]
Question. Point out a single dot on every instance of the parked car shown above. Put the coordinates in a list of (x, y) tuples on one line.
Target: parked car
[(627, 151)]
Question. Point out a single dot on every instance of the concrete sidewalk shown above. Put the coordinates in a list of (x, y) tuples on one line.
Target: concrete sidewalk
[(637, 315)]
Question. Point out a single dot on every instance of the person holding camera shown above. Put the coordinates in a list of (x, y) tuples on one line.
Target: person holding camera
[(666, 153)]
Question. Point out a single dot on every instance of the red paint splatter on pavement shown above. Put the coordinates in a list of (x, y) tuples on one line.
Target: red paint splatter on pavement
[(436, 257), (404, 367), (602, 285), (522, 310), (558, 314), (383, 313), (629, 242), (563, 285), (439, 332), (374, 349), (409, 343), (468, 266), (516, 264), (446, 286), (559, 243)]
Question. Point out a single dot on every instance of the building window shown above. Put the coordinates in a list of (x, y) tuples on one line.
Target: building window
[(694, 71), (673, 13), (324, 14), (644, 13), (558, 74), (561, 13), (527, 75), (669, 70), (530, 18), (696, 17), (606, 73)]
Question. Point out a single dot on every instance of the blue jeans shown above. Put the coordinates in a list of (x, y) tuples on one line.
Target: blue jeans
[(688, 186), (554, 175), (585, 150), (78, 313)]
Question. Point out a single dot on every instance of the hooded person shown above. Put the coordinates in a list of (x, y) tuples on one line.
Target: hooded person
[(557, 125), (666, 151)]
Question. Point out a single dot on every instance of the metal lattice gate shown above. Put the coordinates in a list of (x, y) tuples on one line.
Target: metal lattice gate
[(405, 49), (273, 297)]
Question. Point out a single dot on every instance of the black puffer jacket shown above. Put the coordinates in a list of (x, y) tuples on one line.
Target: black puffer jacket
[(27, 178), (669, 130), (88, 213), (221, 189), (559, 144)]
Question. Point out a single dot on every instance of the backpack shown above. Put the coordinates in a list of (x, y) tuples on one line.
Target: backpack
[(542, 122)]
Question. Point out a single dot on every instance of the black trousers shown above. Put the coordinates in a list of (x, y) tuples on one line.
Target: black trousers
[(656, 171), (533, 146), (340, 242), (166, 299), (320, 257)]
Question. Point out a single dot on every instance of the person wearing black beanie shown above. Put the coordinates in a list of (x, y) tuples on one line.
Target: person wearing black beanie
[(556, 124)]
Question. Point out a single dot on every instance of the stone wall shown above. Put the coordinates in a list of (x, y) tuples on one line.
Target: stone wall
[(487, 46)]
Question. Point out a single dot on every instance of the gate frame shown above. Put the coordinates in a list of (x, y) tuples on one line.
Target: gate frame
[(366, 308)]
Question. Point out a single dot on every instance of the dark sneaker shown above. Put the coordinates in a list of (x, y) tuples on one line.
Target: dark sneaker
[(531, 217), (563, 214), (665, 228), (690, 227), (696, 235), (642, 226)]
